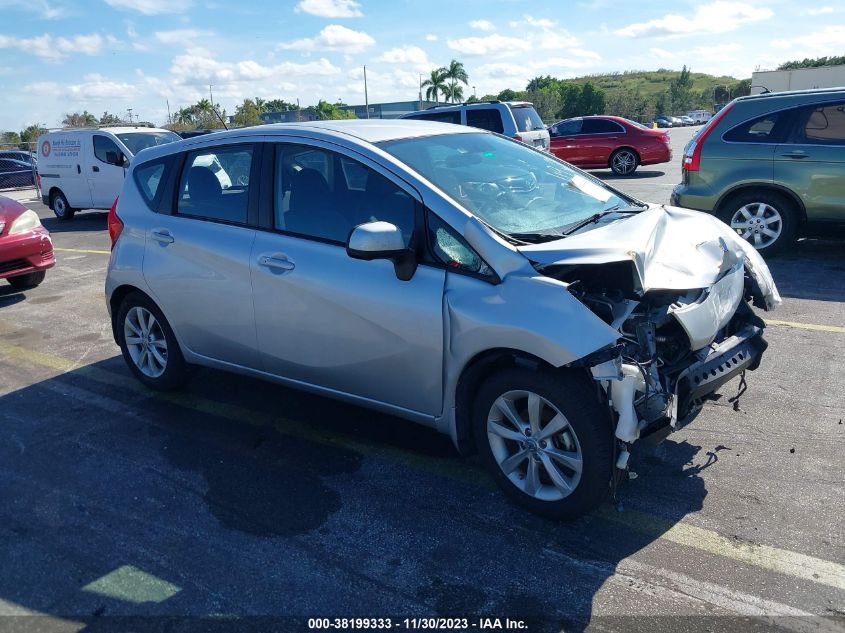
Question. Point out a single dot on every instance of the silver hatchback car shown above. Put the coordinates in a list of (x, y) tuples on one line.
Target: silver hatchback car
[(443, 274)]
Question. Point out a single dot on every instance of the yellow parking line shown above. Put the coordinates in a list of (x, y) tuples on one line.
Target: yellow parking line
[(81, 250), (765, 557), (807, 326)]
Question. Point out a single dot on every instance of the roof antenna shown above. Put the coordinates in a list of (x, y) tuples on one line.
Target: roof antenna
[(213, 109)]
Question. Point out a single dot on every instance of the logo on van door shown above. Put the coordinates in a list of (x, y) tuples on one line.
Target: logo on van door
[(45, 148)]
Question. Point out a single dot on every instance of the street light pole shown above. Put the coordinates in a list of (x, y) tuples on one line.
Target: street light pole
[(366, 98)]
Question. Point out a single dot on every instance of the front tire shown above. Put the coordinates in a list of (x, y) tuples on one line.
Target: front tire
[(60, 206), (766, 220), (29, 280), (624, 161), (546, 440), (149, 346)]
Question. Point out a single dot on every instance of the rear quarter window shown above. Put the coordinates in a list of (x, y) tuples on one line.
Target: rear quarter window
[(769, 128), (441, 117), (527, 119), (150, 179)]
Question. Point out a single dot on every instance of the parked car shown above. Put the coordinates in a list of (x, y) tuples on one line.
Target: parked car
[(84, 168), (517, 119), (699, 117), (663, 121), (598, 142), (771, 166), (26, 250), (21, 155), (16, 173), (676, 121), (686, 120), (442, 274)]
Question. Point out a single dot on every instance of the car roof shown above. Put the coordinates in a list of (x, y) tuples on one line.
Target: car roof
[(358, 131), (820, 92)]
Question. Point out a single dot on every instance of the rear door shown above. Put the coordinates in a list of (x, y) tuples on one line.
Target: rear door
[(812, 162), (104, 170), (564, 139), (196, 258), (530, 127), (600, 138)]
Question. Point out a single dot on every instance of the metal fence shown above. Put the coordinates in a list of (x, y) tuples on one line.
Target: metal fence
[(18, 166)]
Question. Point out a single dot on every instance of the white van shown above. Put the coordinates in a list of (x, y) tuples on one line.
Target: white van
[(85, 168), (699, 116)]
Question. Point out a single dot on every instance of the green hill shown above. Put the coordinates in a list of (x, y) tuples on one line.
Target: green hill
[(651, 83)]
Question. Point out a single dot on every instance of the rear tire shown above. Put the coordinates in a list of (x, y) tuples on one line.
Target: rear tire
[(624, 161), (29, 280), (149, 346), (546, 439), (766, 220), (60, 206)]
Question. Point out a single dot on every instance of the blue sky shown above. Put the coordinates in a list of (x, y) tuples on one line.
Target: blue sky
[(58, 56)]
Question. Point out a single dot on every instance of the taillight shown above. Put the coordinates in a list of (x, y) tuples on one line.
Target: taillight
[(692, 155), (517, 137), (115, 224)]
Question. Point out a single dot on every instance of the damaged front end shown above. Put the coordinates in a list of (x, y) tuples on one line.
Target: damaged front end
[(676, 347)]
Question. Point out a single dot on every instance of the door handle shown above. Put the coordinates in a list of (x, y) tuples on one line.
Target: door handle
[(78, 169), (277, 261), (94, 168), (795, 154), (163, 236)]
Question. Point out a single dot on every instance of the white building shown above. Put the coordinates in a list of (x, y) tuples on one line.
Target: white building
[(798, 79)]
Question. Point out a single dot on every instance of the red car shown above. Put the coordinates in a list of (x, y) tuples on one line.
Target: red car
[(598, 142), (26, 250)]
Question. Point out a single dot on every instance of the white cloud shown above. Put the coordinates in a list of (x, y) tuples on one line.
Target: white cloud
[(483, 25), (330, 8), (43, 8), (333, 38), (181, 36), (94, 87), (529, 21), (819, 11), (827, 41), (412, 56), (50, 48), (718, 17), (152, 7), (431, 37), (489, 45)]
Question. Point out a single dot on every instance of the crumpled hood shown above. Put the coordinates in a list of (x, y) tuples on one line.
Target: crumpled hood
[(671, 248)]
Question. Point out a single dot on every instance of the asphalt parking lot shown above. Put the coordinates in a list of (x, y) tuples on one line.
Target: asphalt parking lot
[(237, 503)]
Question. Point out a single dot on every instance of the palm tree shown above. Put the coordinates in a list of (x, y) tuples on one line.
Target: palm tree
[(455, 73), (435, 85), (260, 103), (454, 93)]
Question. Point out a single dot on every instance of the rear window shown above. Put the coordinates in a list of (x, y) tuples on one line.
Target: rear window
[(527, 119)]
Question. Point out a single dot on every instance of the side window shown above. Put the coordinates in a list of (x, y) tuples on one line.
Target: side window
[(485, 118), (567, 128), (215, 184), (324, 195), (825, 125), (106, 150), (451, 249), (601, 126), (150, 180), (441, 117), (765, 129)]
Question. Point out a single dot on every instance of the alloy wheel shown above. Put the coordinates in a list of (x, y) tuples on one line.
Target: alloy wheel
[(534, 445), (145, 342), (624, 162), (759, 223)]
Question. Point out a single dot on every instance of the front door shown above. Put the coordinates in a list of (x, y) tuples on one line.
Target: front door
[(813, 163), (196, 260), (339, 323), (104, 170)]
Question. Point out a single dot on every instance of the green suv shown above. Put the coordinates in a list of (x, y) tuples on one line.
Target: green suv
[(770, 166)]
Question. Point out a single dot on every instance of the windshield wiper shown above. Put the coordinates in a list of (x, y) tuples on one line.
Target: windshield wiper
[(536, 238), (598, 216)]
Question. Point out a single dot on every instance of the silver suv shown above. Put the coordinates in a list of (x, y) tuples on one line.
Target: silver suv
[(441, 274), (516, 119)]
